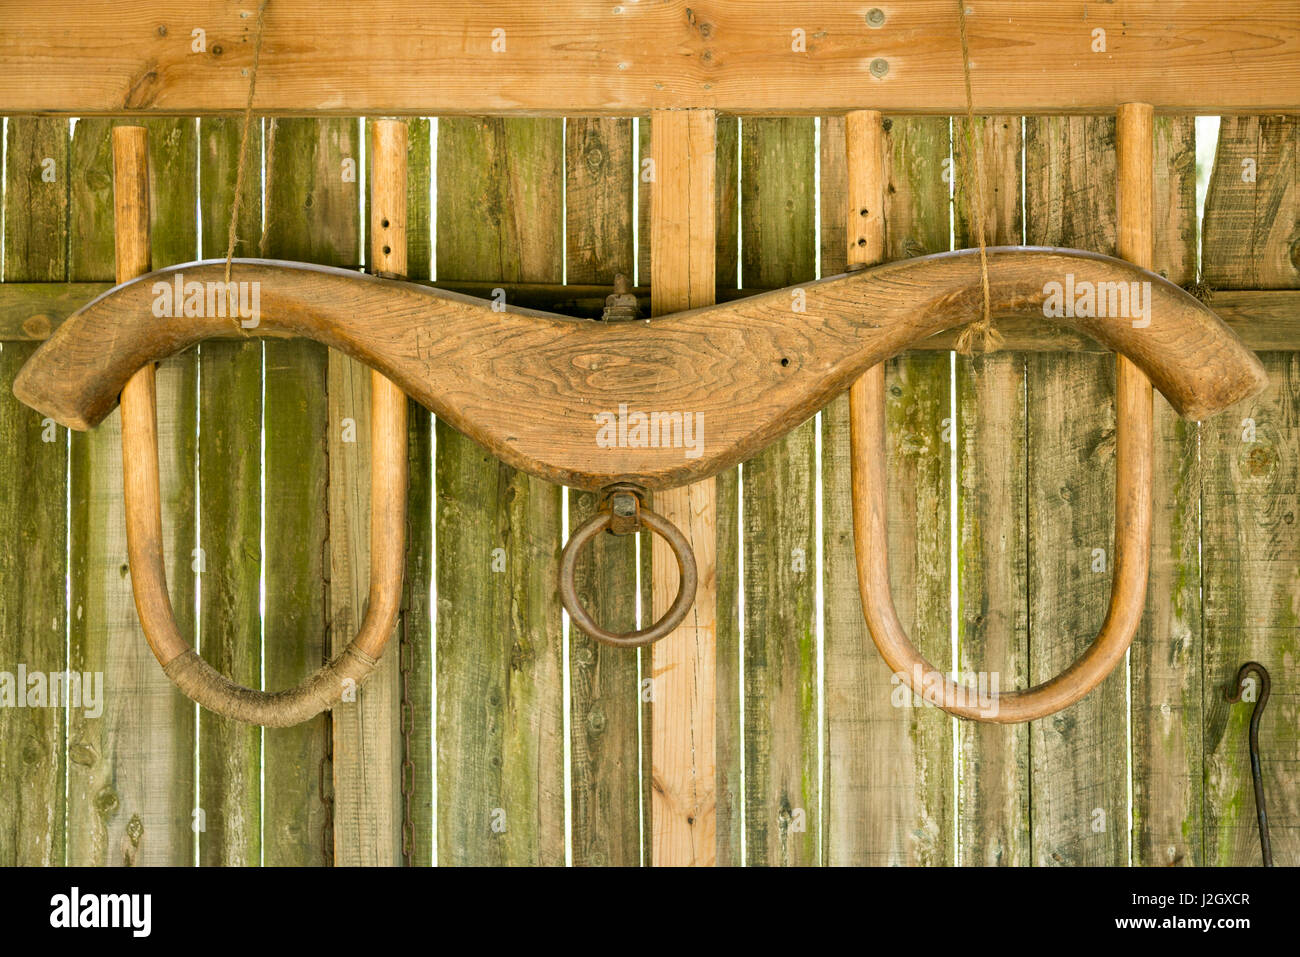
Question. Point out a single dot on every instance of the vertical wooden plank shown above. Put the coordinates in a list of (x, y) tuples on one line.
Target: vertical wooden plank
[(311, 215), (1251, 497), (230, 513), (1168, 765), (729, 673), (131, 785), (33, 517), (778, 240), (1080, 755), (500, 723), (683, 732), (893, 805), (417, 611), (993, 539), (603, 687), (849, 653), (367, 742)]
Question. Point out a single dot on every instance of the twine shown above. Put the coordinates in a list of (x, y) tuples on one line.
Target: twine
[(241, 170), (982, 329)]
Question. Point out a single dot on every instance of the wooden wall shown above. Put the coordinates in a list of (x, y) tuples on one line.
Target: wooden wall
[(526, 742)]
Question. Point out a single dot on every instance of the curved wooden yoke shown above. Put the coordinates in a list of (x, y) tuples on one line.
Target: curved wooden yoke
[(337, 680), (658, 403), (592, 405)]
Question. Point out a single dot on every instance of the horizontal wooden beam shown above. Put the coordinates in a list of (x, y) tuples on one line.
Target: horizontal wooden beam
[(625, 57), (1267, 320)]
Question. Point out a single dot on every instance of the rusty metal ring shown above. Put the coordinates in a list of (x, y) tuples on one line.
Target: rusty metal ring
[(676, 613)]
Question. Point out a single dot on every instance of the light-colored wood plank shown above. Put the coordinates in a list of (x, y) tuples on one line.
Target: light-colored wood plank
[(992, 465), (579, 56), (603, 682), (683, 735), (230, 516), (131, 786), (778, 239), (1249, 505), (500, 701), (729, 671), (1079, 758), (33, 518)]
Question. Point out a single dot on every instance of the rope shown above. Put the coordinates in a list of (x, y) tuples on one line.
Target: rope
[(982, 329), (243, 138)]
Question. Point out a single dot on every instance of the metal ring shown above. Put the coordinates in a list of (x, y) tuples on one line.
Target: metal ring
[(681, 549)]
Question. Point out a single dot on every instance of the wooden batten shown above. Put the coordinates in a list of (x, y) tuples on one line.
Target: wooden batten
[(579, 57)]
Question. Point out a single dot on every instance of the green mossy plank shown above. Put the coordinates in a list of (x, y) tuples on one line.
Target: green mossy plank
[(33, 517), (499, 679), (1166, 686), (992, 468), (603, 681), (888, 774), (1080, 755), (779, 248), (131, 782), (230, 514), (1249, 505), (311, 215)]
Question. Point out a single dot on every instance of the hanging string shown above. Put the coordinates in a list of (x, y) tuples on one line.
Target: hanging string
[(982, 329), (241, 169)]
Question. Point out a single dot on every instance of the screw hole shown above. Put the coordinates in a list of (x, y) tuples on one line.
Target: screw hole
[(387, 250), (785, 362), (383, 223)]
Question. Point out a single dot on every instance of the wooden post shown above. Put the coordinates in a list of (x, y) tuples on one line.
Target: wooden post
[(683, 665)]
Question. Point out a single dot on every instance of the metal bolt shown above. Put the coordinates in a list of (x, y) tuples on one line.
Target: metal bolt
[(879, 67), (624, 505), (875, 18)]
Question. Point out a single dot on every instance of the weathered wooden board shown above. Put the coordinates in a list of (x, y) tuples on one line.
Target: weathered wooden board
[(230, 515), (132, 793), (500, 703), (892, 802), (1250, 500), (310, 214), (1165, 692), (604, 736), (367, 745), (33, 519), (579, 56), (683, 666), (1079, 770), (727, 662), (778, 521), (989, 437), (416, 635)]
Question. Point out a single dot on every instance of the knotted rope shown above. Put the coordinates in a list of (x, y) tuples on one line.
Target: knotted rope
[(243, 139), (982, 328)]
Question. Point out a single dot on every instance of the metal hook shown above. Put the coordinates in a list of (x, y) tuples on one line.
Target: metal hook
[(1266, 849)]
